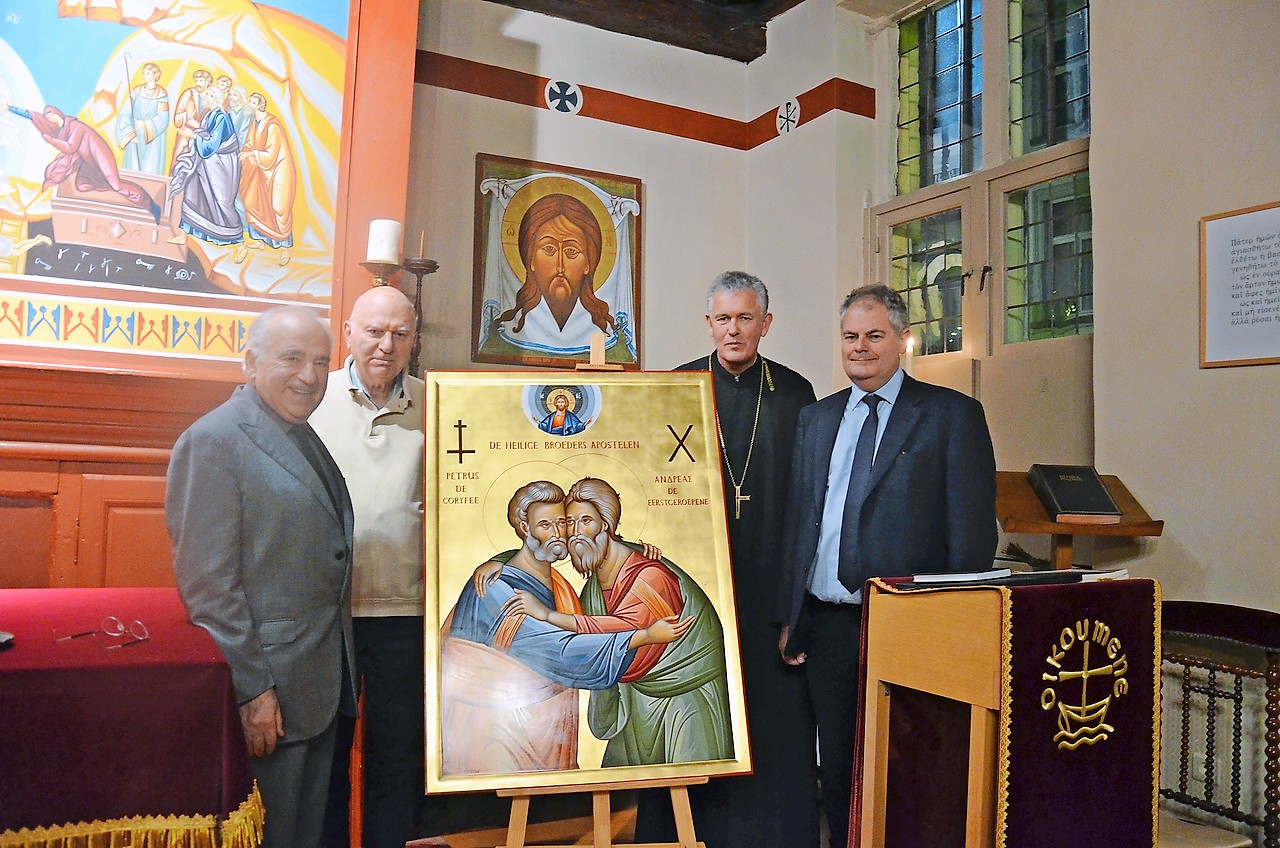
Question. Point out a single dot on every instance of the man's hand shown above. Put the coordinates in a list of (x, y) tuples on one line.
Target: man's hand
[(789, 659), (652, 552), (661, 632), (482, 578), (523, 602), (263, 725), (668, 629)]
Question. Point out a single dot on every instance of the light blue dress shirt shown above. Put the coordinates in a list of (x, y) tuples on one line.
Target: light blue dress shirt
[(825, 583)]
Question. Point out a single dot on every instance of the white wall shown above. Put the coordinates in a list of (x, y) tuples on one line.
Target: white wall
[(1185, 124), (693, 192), (805, 188), (788, 211)]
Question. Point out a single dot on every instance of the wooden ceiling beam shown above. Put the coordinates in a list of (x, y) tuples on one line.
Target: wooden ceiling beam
[(734, 29)]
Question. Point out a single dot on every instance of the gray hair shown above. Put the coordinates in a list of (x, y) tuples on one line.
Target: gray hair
[(537, 492), (603, 497), (732, 282), (886, 297), (260, 331)]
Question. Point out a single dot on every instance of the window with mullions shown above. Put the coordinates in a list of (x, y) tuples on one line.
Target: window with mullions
[(939, 94), (1048, 72), (1049, 260), (926, 269)]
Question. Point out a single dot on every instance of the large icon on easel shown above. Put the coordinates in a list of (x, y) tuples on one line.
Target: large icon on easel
[(581, 602)]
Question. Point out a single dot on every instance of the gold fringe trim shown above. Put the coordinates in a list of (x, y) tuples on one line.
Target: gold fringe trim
[(1158, 592), (1006, 717), (241, 829)]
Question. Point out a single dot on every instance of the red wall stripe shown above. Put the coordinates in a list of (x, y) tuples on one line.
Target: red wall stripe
[(465, 75)]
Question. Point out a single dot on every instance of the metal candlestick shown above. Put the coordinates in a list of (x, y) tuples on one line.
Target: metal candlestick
[(381, 271), (418, 266)]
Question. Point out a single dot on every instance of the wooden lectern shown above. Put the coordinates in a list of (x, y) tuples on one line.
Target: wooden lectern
[(1020, 511), (902, 635), (1009, 716)]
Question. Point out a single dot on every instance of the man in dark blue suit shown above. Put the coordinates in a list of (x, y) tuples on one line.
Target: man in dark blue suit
[(889, 477)]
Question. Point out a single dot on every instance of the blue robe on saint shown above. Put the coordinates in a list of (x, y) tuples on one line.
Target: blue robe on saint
[(574, 660)]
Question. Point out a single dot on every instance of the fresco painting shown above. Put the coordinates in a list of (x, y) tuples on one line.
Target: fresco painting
[(166, 166)]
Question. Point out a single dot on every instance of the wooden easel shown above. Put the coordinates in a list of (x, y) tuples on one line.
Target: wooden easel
[(597, 362), (602, 833)]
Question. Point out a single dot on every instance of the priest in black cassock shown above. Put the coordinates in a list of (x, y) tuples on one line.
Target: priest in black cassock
[(758, 401)]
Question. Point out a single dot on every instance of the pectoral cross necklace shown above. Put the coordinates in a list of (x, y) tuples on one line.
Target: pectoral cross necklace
[(738, 497)]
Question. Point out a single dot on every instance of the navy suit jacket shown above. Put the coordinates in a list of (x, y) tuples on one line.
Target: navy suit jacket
[(931, 499), (263, 561)]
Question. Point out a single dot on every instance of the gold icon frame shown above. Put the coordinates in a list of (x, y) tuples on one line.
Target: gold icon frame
[(650, 435)]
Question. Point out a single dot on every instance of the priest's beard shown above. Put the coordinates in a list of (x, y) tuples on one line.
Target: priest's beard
[(587, 553), (552, 550)]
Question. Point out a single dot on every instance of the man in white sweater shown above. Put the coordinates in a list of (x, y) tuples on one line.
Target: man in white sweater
[(371, 422)]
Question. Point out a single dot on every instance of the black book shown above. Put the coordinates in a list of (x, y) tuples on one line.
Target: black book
[(1073, 494)]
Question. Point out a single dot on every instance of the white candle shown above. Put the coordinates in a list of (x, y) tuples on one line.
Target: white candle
[(908, 361), (384, 241)]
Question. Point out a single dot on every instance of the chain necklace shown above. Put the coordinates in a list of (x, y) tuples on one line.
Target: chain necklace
[(738, 497)]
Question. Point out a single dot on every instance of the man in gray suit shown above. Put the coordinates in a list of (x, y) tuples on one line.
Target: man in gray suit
[(889, 477), (261, 525)]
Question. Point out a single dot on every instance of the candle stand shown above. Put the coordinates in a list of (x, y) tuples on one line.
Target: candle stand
[(418, 266)]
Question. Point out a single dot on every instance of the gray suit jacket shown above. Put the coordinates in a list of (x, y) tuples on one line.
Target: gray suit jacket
[(263, 560), (931, 500)]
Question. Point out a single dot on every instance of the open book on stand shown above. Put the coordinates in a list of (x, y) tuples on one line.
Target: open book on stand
[(1073, 494)]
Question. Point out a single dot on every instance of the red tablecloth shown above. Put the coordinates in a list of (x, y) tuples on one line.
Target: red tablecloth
[(143, 738)]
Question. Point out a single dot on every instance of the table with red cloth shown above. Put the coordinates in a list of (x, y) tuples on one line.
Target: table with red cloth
[(129, 745)]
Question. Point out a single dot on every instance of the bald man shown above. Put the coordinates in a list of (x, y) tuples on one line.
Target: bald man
[(371, 421)]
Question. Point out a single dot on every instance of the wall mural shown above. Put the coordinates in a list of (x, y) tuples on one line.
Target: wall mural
[(167, 171)]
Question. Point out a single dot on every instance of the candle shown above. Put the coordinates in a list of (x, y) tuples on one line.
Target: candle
[(384, 241), (908, 363), (422, 244)]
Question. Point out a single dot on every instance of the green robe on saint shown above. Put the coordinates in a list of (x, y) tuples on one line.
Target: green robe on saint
[(677, 709)]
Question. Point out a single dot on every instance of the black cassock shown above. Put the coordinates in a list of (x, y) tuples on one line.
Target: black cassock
[(777, 805)]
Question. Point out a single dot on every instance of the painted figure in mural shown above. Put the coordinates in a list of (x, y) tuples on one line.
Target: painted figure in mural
[(225, 83), (140, 129), (188, 113), (561, 421), (268, 181), (672, 703), (557, 307), (208, 173), (509, 680), (13, 248), (238, 109), (82, 152)]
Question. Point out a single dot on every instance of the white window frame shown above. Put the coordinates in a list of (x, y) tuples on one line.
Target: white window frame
[(980, 196)]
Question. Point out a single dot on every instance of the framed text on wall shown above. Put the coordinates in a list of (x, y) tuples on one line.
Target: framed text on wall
[(1240, 287)]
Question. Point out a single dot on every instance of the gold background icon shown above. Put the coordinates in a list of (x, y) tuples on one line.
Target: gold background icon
[(652, 437)]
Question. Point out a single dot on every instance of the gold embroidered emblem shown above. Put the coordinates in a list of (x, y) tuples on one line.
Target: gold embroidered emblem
[(1082, 721)]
